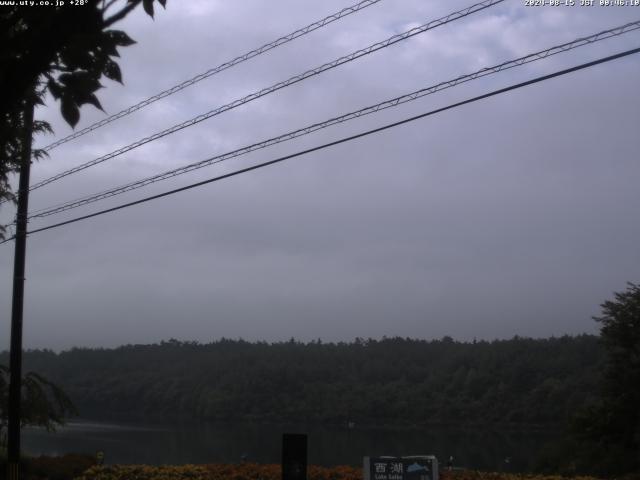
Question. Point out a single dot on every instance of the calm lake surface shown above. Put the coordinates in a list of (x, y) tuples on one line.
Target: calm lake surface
[(180, 443)]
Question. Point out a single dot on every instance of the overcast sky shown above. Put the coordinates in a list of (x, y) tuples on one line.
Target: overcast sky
[(516, 215)]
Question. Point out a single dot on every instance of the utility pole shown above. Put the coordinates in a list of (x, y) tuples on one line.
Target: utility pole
[(15, 355)]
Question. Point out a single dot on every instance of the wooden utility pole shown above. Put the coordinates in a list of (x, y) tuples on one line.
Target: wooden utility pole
[(15, 355)]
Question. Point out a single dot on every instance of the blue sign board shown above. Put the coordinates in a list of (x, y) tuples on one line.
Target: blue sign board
[(416, 467)]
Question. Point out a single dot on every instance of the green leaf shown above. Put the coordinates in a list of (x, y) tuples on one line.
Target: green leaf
[(99, 65), (39, 154), (120, 38), (148, 7), (80, 83), (76, 56), (66, 78), (55, 89), (40, 126), (69, 111), (93, 100), (163, 3), (112, 71), (108, 45)]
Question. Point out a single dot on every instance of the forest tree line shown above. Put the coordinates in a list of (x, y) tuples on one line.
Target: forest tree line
[(393, 381)]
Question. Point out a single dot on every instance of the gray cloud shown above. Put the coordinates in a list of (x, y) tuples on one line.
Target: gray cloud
[(515, 215)]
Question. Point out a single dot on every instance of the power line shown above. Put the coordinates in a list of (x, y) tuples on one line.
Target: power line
[(8, 239), (286, 83), (340, 119), (345, 139), (231, 63)]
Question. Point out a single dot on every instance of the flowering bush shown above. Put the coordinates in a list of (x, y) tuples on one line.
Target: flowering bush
[(64, 467), (145, 472), (246, 471), (474, 475), (252, 471)]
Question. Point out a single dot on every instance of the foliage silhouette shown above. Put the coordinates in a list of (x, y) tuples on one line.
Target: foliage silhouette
[(64, 51), (44, 404), (607, 431), (393, 381)]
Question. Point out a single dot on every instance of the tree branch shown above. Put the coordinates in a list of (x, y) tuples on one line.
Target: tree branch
[(121, 14), (107, 6)]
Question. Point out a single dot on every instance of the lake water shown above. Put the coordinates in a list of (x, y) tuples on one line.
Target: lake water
[(178, 443)]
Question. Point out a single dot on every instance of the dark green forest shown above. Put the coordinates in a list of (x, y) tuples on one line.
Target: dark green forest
[(393, 381)]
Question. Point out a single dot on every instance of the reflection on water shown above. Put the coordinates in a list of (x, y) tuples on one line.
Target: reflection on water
[(476, 448)]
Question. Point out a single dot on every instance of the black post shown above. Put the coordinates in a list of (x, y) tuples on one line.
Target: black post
[(15, 356), (294, 456)]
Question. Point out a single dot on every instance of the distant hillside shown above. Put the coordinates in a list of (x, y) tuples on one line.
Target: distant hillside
[(390, 381)]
